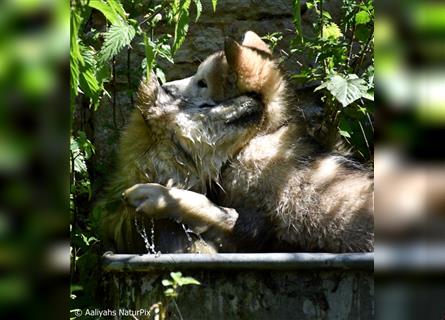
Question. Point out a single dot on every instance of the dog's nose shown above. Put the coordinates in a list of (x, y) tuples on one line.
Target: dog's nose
[(124, 196)]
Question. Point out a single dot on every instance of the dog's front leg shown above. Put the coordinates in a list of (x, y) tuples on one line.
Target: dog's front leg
[(191, 208)]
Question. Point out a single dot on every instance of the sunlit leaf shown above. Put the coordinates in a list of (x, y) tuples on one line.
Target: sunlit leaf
[(198, 6), (89, 85), (76, 59), (345, 89), (149, 55), (116, 38), (117, 7), (88, 82), (176, 276), (84, 144), (187, 281), (331, 31), (369, 95), (160, 75), (170, 292), (344, 129), (109, 12), (181, 28), (167, 283), (296, 7), (362, 17), (344, 133), (327, 15)]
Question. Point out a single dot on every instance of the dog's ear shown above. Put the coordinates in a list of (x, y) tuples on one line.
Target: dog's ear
[(232, 50), (252, 40)]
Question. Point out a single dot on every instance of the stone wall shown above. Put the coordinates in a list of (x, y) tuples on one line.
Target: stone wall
[(247, 295)]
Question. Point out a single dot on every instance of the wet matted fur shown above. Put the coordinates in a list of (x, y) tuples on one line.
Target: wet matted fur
[(224, 153)]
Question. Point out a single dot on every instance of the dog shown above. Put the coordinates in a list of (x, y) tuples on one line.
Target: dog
[(224, 154)]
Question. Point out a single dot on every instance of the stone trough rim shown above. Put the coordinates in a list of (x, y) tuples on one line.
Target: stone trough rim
[(241, 261)]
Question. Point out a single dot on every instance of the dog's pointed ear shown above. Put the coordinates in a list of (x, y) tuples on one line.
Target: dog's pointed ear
[(252, 40), (232, 50)]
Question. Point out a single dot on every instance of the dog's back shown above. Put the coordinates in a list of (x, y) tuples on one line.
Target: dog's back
[(307, 200)]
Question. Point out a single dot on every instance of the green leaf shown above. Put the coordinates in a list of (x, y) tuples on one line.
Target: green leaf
[(362, 17), (87, 240), (170, 292), (87, 78), (187, 281), (198, 5), (344, 133), (331, 31), (164, 51), (117, 7), (362, 33), (81, 149), (176, 276), (167, 283), (182, 281), (89, 85), (85, 145), (344, 128), (345, 89), (160, 75), (74, 147), (150, 55), (76, 59), (296, 7), (214, 3), (181, 28), (116, 38), (369, 95), (327, 15), (108, 11), (79, 163)]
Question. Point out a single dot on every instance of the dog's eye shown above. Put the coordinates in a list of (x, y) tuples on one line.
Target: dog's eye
[(202, 84)]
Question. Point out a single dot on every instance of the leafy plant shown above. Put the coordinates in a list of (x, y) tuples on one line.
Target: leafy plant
[(272, 39), (177, 281), (346, 89), (171, 293), (341, 67)]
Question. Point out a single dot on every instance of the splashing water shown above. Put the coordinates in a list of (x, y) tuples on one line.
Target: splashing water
[(150, 243), (187, 232), (140, 228)]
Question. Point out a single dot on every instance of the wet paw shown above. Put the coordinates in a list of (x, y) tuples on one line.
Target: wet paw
[(150, 198)]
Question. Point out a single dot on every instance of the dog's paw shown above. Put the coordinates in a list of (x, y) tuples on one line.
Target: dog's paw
[(150, 198)]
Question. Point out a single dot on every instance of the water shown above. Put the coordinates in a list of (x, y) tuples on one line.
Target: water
[(150, 242), (187, 232), (140, 228)]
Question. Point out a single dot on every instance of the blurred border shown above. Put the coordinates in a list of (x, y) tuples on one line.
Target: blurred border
[(409, 159), (34, 133)]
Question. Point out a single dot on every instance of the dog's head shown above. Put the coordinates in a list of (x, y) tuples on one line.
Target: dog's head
[(210, 116), (240, 69), (195, 137)]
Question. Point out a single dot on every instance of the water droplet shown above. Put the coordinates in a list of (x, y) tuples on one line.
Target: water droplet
[(187, 232), (140, 228)]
